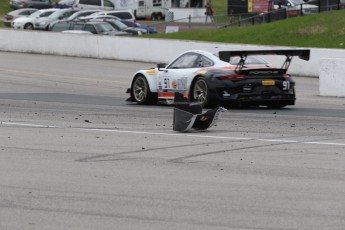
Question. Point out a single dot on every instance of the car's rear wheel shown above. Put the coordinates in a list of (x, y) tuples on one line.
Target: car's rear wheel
[(199, 92), (153, 16), (28, 26), (141, 91), (159, 16)]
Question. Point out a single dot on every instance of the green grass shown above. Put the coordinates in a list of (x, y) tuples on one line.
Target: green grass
[(4, 8), (324, 30)]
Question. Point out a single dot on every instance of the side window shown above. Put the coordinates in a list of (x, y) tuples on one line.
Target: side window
[(58, 27), (78, 27), (25, 13), (45, 14), (157, 2), (90, 28), (108, 3), (122, 15), (187, 60), (91, 2), (204, 62)]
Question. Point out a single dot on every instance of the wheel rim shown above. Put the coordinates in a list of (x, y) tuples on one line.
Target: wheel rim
[(139, 89), (200, 91), (28, 27)]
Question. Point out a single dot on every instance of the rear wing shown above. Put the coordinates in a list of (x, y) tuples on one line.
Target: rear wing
[(303, 54)]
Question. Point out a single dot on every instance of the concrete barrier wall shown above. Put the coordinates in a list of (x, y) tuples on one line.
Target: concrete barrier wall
[(332, 77), (140, 49)]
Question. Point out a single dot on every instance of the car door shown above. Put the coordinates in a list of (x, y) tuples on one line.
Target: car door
[(178, 75)]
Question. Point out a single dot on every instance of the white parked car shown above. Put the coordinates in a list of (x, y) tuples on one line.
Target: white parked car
[(28, 23), (296, 5)]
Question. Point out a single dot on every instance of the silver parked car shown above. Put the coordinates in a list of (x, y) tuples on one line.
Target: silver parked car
[(75, 16), (28, 23), (9, 17), (43, 23), (38, 4)]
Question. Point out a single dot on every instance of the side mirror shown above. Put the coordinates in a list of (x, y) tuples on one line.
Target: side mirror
[(161, 66)]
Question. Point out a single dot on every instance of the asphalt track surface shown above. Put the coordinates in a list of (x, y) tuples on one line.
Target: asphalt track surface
[(75, 155)]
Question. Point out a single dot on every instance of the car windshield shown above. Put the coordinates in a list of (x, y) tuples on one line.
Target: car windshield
[(36, 14), (119, 24), (55, 15), (66, 2), (129, 23), (105, 27), (297, 2)]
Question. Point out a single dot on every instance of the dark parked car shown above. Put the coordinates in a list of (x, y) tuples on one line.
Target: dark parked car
[(9, 17), (116, 23), (63, 4), (75, 16), (37, 4), (101, 28), (149, 29)]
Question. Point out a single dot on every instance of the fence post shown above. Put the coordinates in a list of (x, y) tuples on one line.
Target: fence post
[(189, 22)]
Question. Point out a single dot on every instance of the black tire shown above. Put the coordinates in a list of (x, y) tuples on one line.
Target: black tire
[(28, 26), (141, 91), (153, 16), (159, 16), (199, 92)]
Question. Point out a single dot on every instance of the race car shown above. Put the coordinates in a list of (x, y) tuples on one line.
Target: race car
[(219, 77)]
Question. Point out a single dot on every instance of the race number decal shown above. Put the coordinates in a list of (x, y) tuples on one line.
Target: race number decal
[(166, 83), (286, 85)]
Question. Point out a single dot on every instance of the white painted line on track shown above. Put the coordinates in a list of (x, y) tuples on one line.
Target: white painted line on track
[(181, 134), (29, 125)]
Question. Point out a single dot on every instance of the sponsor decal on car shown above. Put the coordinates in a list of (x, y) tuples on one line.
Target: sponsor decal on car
[(268, 82), (151, 71)]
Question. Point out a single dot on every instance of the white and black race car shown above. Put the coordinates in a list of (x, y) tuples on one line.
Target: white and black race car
[(227, 78)]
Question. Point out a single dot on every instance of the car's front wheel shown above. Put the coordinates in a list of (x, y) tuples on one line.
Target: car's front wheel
[(199, 92), (141, 91), (28, 26)]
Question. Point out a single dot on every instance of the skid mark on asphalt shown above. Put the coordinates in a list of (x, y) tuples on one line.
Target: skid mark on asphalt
[(182, 159), (102, 156), (272, 142)]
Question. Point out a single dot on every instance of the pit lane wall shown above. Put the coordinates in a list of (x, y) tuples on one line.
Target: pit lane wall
[(328, 64)]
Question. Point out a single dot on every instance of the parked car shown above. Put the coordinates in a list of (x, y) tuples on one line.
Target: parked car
[(93, 4), (296, 5), (116, 23), (328, 5), (43, 23), (101, 28), (9, 17), (148, 29), (28, 23), (63, 4), (122, 14), (219, 77), (75, 16), (37, 4)]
